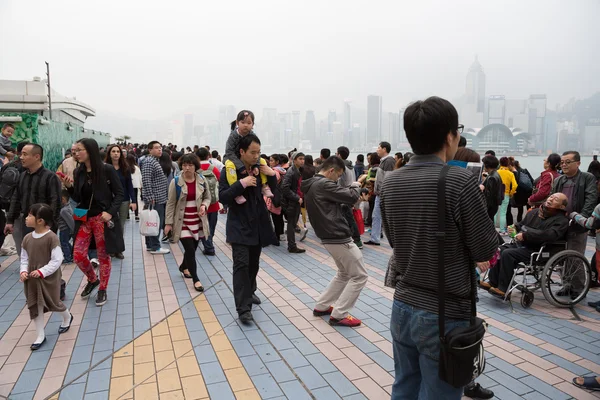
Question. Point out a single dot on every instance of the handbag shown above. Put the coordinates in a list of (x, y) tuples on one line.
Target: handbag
[(360, 222), (113, 237), (80, 214), (149, 222), (462, 357)]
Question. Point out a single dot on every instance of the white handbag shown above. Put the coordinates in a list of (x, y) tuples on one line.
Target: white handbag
[(149, 223)]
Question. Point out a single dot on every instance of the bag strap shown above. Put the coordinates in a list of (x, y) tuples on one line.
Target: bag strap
[(441, 241), (441, 236)]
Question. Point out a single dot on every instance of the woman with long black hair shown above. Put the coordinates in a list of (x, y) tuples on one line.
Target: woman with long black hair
[(116, 158), (97, 189)]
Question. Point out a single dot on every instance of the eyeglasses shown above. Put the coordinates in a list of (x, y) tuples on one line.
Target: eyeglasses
[(460, 128), (567, 162)]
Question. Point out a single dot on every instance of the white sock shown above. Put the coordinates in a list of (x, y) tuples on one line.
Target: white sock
[(39, 325), (66, 316)]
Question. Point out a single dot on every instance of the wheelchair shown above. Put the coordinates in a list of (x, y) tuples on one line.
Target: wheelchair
[(552, 269)]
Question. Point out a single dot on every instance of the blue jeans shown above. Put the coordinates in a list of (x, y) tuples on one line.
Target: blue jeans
[(416, 344), (213, 217), (376, 223), (65, 245), (153, 242)]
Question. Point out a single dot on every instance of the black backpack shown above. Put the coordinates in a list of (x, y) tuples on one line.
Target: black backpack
[(8, 183)]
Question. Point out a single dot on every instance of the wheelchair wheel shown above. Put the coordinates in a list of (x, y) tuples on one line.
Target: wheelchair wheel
[(527, 298), (559, 273)]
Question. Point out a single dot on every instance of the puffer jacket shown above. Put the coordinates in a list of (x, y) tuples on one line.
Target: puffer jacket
[(176, 207), (324, 198)]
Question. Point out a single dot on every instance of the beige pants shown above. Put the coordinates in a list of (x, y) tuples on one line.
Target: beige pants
[(345, 287)]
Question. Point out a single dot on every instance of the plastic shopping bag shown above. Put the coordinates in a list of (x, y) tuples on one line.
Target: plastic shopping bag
[(149, 223)]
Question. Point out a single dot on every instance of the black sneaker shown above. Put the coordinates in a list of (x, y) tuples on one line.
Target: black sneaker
[(208, 253), (255, 300), (246, 318), (120, 256), (89, 288), (296, 250), (477, 392), (101, 298), (371, 243)]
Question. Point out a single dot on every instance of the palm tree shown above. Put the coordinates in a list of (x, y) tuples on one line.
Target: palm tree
[(126, 138)]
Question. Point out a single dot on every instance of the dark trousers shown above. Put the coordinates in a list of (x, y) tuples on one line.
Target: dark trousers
[(189, 257), (492, 211), (213, 217), (293, 212), (2, 225), (278, 223), (65, 244), (245, 268), (369, 221), (135, 196), (347, 211), (510, 257)]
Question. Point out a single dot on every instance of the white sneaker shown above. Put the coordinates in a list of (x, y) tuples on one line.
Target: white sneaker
[(160, 251), (95, 263), (282, 238)]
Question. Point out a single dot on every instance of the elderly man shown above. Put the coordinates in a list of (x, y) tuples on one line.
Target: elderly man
[(547, 224)]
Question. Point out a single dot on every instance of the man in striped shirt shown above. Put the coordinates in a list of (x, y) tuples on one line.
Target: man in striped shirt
[(36, 185), (409, 213), (155, 192)]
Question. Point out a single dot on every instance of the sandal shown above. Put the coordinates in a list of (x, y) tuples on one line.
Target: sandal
[(589, 383)]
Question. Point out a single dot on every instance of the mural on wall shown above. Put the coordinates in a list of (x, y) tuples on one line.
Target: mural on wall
[(54, 137)]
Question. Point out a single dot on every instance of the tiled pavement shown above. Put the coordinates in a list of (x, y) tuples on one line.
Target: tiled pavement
[(158, 338)]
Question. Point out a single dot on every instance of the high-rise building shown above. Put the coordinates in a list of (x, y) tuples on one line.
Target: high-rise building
[(188, 126), (591, 136), (393, 130), (295, 139), (310, 127), (338, 135), (355, 137), (537, 120), (475, 90), (331, 118), (374, 116), (347, 116), (402, 141), (496, 110)]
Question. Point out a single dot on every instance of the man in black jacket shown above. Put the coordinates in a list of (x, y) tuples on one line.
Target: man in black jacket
[(546, 225), (582, 193), (248, 226), (325, 200), (292, 201), (492, 186), (36, 185)]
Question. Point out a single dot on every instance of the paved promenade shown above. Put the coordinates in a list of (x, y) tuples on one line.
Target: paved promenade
[(158, 338)]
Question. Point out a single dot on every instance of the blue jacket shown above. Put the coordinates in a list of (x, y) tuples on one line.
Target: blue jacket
[(248, 223)]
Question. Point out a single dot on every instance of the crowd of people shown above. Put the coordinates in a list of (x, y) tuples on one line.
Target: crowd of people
[(78, 212)]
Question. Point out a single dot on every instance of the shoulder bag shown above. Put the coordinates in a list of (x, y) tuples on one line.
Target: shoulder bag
[(462, 357)]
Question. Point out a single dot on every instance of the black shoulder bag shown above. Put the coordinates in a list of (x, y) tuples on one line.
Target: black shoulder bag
[(462, 356)]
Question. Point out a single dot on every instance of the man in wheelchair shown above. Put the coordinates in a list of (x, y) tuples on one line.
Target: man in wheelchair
[(546, 224)]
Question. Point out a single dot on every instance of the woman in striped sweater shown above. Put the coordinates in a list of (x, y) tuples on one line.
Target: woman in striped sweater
[(186, 218)]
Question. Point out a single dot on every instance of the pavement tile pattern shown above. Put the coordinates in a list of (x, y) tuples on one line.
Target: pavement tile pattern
[(157, 338)]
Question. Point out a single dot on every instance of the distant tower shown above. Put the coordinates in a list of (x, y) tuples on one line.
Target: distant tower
[(310, 127), (374, 117), (475, 90)]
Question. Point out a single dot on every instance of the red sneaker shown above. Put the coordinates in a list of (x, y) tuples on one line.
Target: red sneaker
[(318, 313), (349, 321)]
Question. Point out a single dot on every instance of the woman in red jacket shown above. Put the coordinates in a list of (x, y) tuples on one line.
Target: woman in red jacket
[(544, 186)]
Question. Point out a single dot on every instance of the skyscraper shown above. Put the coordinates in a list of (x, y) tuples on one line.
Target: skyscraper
[(331, 118), (374, 114), (394, 133), (347, 116), (537, 120), (188, 126), (310, 127), (295, 139), (496, 110), (475, 90)]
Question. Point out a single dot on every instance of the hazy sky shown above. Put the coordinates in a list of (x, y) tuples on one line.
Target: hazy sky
[(150, 59)]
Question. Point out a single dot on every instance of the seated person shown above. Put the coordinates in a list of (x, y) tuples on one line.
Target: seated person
[(547, 224)]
